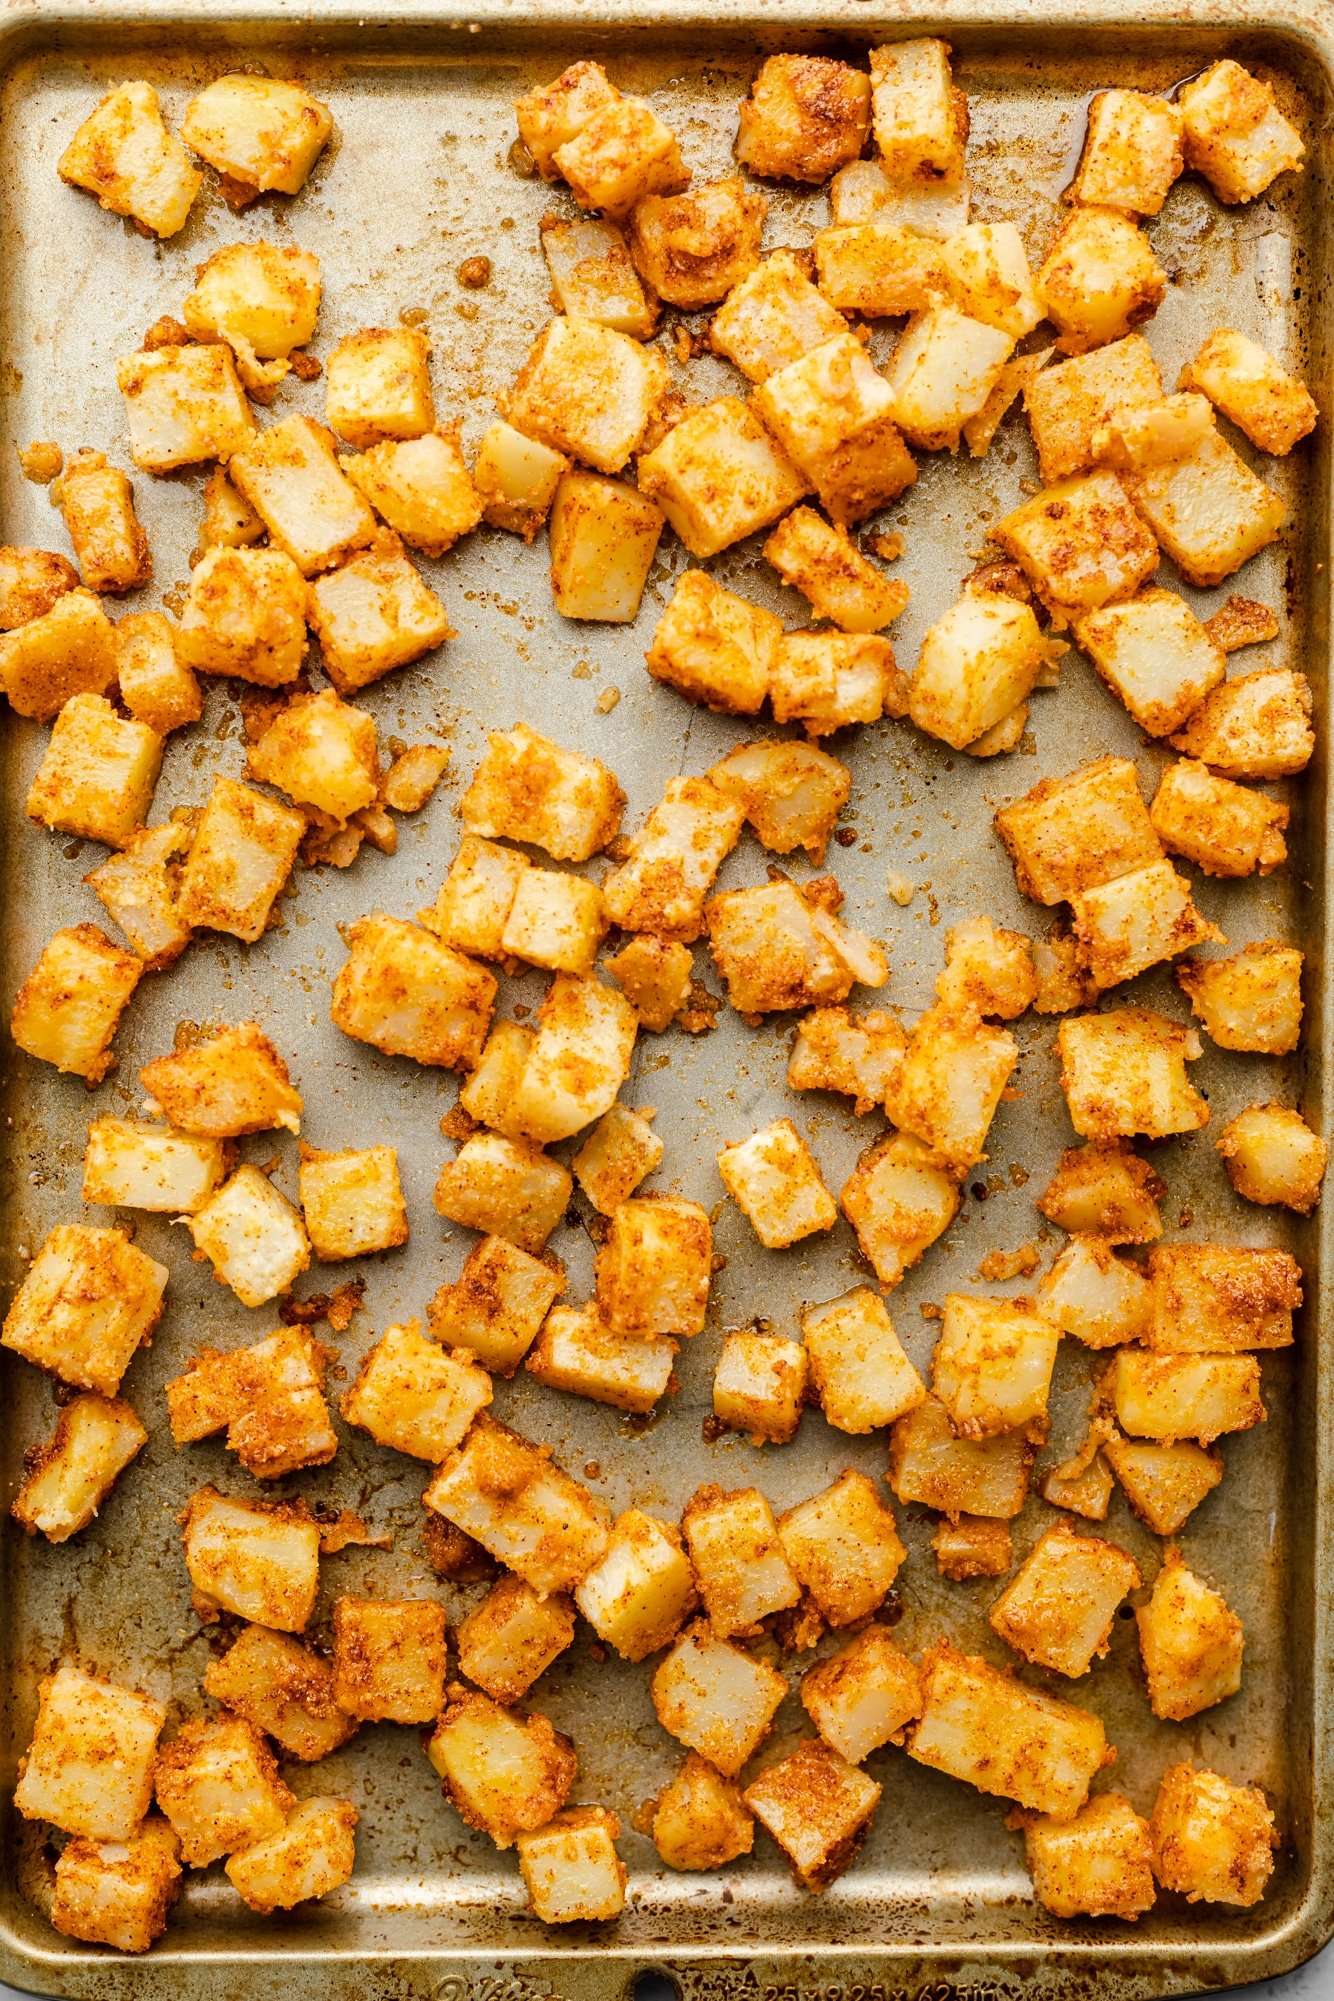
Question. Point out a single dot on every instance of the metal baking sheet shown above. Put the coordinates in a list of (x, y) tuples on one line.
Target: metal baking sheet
[(417, 179)]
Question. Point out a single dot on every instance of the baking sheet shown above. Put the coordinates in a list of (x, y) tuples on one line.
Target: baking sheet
[(418, 179)]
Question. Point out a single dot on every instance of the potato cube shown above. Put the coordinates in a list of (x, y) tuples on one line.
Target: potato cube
[(1060, 979), (1081, 543), (603, 539), (89, 1767), (858, 1055), (352, 1201), (944, 368), (117, 1893), (818, 1808), (1124, 1072), (252, 1236), (260, 132), (920, 119), (1154, 433), (899, 1198), (231, 1083), (1255, 726), (1222, 827), (987, 969), (124, 154), (1059, 1607), (778, 946), (863, 1696), (263, 300), (775, 1181), (377, 385), (89, 1298), (239, 861), (496, 1305), (476, 897), (700, 1820), (406, 994), (97, 502), (373, 614), (1155, 655), (579, 1059), (1220, 1299), (1252, 1001), (97, 774), (1272, 1156), (828, 680), (557, 111), (693, 248), (1068, 405), (245, 614), (1190, 1641), (183, 405), (592, 277), (32, 581), (511, 1638), (655, 977), (1208, 510), (419, 486), (67, 1479), (976, 663), (413, 776), (312, 1855), (1242, 379), (515, 478), (670, 864), (1212, 1840), (992, 1365), (1099, 1864), (718, 476), (218, 1784), (219, 1389), (617, 1155), (229, 522), (68, 1008), (1132, 155), (506, 1188), (260, 1560), (488, 1095), (1163, 1484), (1100, 1299), (1138, 921), (773, 317), (505, 1772), (838, 420), (528, 789), (716, 1699), (859, 1371), (879, 269), (1070, 834), (740, 1568), (69, 650), (571, 1869), (638, 1595), (654, 1268), (843, 1548), (283, 1689), (954, 1070), (1099, 279), (555, 920), (410, 1395), (156, 685), (619, 156), (576, 1351), (980, 1725), (1234, 133), (588, 391), (509, 1495), (1171, 1397), (971, 1546), (759, 1385), (320, 751), (929, 1464), (389, 1659), (805, 117), (290, 476), (822, 562)]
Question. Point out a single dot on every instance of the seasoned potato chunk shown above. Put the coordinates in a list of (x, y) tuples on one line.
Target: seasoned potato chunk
[(828, 680), (496, 1304), (405, 993), (863, 1696), (982, 1726), (1252, 1001), (476, 897), (774, 1179), (944, 368), (1124, 1072), (987, 969), (68, 1008), (880, 269), (1234, 133), (1155, 655), (844, 1549), (261, 298), (617, 1155), (1171, 1397), (718, 476), (692, 248), (818, 1808), (1272, 1156), (1190, 1642), (373, 614), (229, 521), (929, 1464), (555, 112), (260, 1560), (1243, 380), (589, 391), (320, 751), (504, 1771), (570, 1867), (377, 385), (1061, 983), (1138, 921), (156, 685), (576, 1351), (759, 1385), (1213, 1841), (987, 269), (715, 1698), (700, 1820), (283, 1689), (230, 1083), (310, 1856), (511, 1638), (1099, 279), (578, 1061), (555, 920), (838, 420), (89, 1767), (1208, 510), (920, 119), (1100, 1299), (992, 1365), (955, 1068), (69, 648), (655, 977), (779, 946), (976, 663), (773, 317), (420, 487), (858, 1055), (1157, 432), (488, 1094), (97, 502), (239, 861), (864, 192), (1058, 1608), (670, 864), (1222, 827), (411, 1395), (805, 117), (592, 277), (899, 1198), (859, 1370), (97, 774), (637, 1597), (67, 1479), (269, 1397), (505, 1188), (1220, 1299), (217, 1782), (261, 133), (821, 561), (1081, 543), (973, 1546), (528, 789), (245, 614), (117, 1893), (90, 1297), (1098, 1865), (509, 1495), (715, 647), (1132, 155), (289, 474), (389, 1659), (621, 155), (739, 1564), (124, 154), (1163, 1484), (254, 1239), (183, 405), (31, 582), (653, 1270), (603, 539), (1255, 726)]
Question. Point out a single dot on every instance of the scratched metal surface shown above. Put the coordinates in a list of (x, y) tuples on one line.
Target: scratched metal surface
[(418, 179)]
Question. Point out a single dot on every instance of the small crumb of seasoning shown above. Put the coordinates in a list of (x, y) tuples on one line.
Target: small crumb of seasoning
[(475, 272), (607, 700)]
